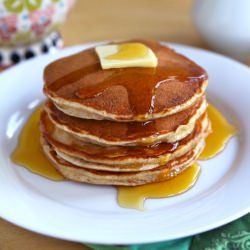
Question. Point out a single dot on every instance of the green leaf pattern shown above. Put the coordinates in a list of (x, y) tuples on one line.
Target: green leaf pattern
[(13, 5), (33, 5), (17, 6)]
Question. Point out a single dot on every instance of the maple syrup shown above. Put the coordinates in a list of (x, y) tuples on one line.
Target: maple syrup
[(28, 153), (134, 197), (128, 51), (222, 131)]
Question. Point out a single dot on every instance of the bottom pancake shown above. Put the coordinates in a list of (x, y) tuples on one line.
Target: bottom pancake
[(80, 174)]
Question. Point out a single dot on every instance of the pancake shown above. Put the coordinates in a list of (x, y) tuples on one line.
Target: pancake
[(79, 87), (168, 171), (119, 158), (133, 167), (124, 126), (168, 129)]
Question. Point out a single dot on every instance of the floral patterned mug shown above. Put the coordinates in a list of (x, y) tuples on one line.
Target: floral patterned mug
[(30, 27)]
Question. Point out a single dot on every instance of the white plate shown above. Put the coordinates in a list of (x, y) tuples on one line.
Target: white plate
[(88, 213)]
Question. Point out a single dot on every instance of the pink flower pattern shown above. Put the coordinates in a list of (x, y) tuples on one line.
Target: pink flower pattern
[(35, 23), (41, 19), (8, 27)]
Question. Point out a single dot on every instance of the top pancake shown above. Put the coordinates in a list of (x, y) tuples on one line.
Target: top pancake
[(79, 87)]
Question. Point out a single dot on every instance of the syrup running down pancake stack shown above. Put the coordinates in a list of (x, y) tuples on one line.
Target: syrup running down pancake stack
[(124, 126)]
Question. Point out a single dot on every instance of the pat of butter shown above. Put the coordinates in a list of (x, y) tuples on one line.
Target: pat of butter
[(126, 55)]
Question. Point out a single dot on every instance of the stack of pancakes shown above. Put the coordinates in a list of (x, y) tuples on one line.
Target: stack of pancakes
[(126, 126)]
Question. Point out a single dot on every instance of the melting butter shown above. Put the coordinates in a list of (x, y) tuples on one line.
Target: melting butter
[(126, 55), (28, 152), (134, 197), (222, 131), (129, 51)]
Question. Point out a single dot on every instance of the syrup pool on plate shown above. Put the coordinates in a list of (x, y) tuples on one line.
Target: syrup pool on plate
[(134, 197), (222, 131), (28, 153)]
